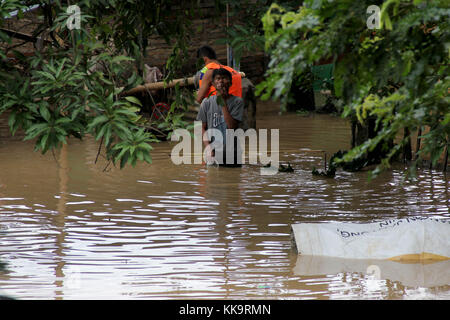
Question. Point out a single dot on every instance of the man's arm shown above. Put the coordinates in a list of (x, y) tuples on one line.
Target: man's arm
[(204, 137), (231, 122), (209, 152), (206, 84)]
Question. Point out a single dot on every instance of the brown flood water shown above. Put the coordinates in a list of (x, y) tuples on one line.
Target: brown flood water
[(68, 230)]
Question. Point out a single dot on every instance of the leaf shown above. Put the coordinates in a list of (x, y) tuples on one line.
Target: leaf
[(35, 130), (118, 59), (387, 21), (43, 142), (63, 121), (61, 66), (107, 136), (12, 120), (96, 121), (140, 155), (46, 75), (133, 100), (147, 157), (45, 113)]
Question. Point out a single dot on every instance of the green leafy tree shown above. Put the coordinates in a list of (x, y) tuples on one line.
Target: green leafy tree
[(397, 75), (244, 32), (72, 86)]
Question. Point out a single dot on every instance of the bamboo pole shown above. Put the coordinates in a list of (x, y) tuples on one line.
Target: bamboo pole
[(159, 85), (228, 45), (162, 85)]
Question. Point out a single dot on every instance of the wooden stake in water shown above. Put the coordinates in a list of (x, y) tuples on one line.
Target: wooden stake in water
[(445, 158)]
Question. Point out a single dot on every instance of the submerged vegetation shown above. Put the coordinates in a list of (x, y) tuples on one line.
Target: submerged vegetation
[(355, 164)]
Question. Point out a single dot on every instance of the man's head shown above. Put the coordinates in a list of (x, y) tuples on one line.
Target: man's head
[(222, 79), (206, 53)]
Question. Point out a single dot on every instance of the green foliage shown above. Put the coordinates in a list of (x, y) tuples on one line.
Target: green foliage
[(245, 32), (72, 87), (174, 119), (398, 74), (129, 24), (132, 148), (243, 39)]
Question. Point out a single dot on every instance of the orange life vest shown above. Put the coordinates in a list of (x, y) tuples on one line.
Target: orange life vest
[(236, 80)]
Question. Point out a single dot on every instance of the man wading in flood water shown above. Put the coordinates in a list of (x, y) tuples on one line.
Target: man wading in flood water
[(218, 113)]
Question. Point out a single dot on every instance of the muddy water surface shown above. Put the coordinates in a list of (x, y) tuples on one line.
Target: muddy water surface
[(69, 230)]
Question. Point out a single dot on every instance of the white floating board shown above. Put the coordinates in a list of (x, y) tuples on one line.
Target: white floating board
[(409, 239)]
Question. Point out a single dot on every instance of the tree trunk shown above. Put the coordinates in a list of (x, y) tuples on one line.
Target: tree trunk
[(407, 152)]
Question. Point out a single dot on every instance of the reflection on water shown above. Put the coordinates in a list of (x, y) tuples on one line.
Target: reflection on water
[(377, 279), (69, 230)]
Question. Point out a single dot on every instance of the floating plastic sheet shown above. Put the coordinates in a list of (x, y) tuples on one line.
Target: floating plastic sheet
[(410, 239)]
